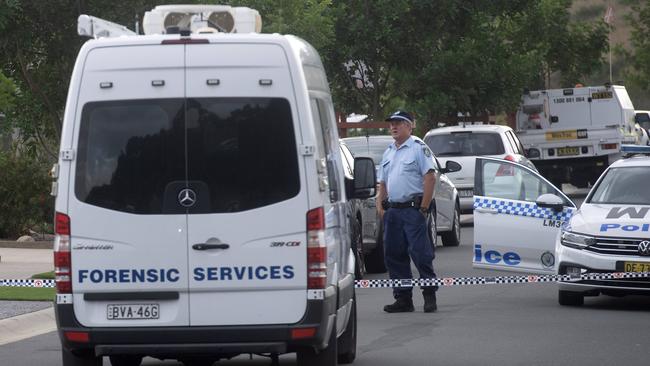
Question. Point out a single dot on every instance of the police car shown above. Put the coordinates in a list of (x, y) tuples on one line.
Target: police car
[(546, 234)]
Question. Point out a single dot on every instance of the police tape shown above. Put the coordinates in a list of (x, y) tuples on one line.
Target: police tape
[(445, 281), (497, 280), (27, 283)]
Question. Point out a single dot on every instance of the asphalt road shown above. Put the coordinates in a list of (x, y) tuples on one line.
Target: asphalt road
[(475, 325)]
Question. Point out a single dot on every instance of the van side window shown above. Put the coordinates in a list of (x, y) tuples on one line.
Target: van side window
[(329, 143), (236, 154)]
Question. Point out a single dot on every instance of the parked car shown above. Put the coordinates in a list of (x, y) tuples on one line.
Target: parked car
[(446, 204), (464, 143), (358, 213), (546, 233)]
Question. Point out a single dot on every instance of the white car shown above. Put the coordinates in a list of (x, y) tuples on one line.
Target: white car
[(546, 234), (464, 143), (447, 202)]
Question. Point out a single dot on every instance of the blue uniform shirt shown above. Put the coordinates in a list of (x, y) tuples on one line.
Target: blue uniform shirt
[(402, 170)]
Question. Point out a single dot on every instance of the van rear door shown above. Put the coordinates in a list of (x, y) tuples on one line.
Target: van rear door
[(128, 232), (247, 229)]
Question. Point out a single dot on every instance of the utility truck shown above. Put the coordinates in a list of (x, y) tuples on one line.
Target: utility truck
[(573, 134)]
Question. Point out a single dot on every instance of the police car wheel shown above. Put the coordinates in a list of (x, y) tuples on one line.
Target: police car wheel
[(79, 359), (452, 238), (325, 357), (125, 360), (570, 298)]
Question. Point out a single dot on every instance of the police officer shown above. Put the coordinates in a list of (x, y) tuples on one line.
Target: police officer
[(406, 183)]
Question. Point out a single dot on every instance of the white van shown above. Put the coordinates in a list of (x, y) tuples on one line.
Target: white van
[(200, 203)]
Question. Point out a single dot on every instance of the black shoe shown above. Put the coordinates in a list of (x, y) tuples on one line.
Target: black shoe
[(401, 305), (430, 303)]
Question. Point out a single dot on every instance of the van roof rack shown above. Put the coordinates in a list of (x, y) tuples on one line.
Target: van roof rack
[(174, 19)]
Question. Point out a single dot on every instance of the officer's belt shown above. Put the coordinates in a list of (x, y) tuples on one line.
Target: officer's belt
[(413, 203)]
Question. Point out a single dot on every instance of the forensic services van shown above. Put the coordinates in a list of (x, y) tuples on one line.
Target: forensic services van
[(201, 206), (523, 223)]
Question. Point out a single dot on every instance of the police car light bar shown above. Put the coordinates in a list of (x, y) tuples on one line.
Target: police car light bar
[(635, 149), (201, 19)]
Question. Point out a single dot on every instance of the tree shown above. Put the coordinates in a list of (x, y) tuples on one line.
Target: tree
[(639, 57)]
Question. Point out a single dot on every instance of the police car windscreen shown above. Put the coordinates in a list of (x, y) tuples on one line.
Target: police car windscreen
[(627, 185), (465, 144), (235, 153)]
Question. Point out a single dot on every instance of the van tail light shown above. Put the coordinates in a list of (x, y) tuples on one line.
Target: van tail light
[(62, 257), (316, 249), (613, 146), (509, 158)]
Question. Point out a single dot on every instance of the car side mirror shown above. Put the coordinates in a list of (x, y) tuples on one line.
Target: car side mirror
[(551, 201), (451, 166), (365, 178)]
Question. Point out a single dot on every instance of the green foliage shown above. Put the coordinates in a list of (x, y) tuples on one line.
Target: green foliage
[(639, 58), (24, 194), (7, 94), (44, 276)]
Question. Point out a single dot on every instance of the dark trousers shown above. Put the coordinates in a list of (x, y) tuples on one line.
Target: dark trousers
[(405, 234)]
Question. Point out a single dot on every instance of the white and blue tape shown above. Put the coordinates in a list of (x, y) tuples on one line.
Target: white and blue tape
[(27, 283), (444, 281)]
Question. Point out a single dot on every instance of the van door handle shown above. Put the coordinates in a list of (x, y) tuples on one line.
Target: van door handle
[(206, 246)]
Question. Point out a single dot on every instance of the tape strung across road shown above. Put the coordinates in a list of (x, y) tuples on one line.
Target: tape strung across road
[(445, 281), (499, 280), (27, 283)]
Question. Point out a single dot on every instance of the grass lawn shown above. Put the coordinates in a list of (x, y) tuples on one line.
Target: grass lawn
[(30, 293), (27, 293)]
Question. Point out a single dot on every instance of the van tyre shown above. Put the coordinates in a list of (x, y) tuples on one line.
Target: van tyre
[(347, 342), (125, 360), (452, 238), (73, 359), (324, 357), (570, 298), (375, 259)]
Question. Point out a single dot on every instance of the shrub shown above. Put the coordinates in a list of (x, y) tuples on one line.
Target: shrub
[(25, 202)]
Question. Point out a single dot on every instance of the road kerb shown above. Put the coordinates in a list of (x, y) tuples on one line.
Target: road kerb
[(28, 325)]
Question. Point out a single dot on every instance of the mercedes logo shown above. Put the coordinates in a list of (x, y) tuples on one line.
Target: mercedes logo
[(644, 248), (187, 197)]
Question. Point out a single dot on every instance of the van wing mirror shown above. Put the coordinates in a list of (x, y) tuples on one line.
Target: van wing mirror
[(365, 178), (451, 166), (551, 201)]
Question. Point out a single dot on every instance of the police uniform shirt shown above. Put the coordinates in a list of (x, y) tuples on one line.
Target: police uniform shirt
[(402, 169)]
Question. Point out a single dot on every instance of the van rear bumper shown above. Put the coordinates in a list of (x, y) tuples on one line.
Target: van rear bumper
[(169, 342)]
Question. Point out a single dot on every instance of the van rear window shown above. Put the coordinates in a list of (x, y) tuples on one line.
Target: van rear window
[(465, 144), (235, 154)]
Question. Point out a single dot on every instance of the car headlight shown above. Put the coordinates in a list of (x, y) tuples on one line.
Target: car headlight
[(576, 241)]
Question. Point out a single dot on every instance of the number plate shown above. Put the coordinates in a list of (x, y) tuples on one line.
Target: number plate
[(466, 193), (636, 266), (566, 151), (566, 135), (132, 311)]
